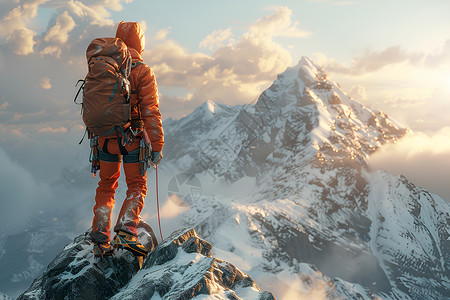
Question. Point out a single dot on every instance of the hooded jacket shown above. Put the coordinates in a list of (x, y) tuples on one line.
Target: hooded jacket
[(143, 84)]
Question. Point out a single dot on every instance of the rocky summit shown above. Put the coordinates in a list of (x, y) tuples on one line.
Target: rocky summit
[(182, 267)]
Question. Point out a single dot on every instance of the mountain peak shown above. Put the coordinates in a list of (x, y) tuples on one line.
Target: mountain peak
[(307, 62), (209, 106)]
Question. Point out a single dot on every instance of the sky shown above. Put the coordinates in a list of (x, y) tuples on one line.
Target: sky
[(388, 55)]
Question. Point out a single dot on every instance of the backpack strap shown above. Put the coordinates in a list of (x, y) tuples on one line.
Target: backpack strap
[(136, 63)]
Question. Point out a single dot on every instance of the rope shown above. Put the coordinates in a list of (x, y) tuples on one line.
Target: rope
[(157, 204)]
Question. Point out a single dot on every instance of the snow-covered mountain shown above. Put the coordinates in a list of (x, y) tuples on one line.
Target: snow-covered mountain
[(282, 191), (283, 187)]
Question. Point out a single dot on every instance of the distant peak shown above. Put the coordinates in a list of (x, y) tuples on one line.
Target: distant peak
[(209, 106), (309, 72), (306, 61)]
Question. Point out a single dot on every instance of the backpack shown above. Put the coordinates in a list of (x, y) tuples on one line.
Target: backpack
[(106, 109)]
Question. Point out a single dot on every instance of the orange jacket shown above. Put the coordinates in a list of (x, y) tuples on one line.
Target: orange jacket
[(143, 84)]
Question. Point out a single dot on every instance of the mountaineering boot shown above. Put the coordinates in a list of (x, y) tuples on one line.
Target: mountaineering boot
[(103, 249), (124, 240)]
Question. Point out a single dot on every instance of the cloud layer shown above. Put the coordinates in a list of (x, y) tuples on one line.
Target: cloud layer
[(423, 159), (21, 194), (23, 37), (410, 86), (237, 70)]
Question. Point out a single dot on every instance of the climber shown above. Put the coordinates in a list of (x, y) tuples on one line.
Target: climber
[(146, 119)]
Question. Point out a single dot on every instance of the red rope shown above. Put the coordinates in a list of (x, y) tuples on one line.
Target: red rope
[(157, 204)]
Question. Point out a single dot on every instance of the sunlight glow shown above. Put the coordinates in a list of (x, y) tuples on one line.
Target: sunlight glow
[(446, 82)]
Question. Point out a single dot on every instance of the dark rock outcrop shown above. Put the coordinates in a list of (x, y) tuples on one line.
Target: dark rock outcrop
[(76, 274), (182, 267)]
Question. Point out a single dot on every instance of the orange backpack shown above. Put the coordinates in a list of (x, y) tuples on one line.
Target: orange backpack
[(106, 108), (106, 89)]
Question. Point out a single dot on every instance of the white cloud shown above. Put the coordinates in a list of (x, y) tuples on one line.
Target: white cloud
[(52, 50), (440, 57), (217, 39), (59, 33), (278, 24), (45, 83), (371, 61), (21, 194), (358, 92), (374, 60), (18, 27), (4, 105), (422, 158), (14, 28), (162, 34), (402, 84), (335, 2), (236, 72), (96, 14), (21, 41), (48, 129)]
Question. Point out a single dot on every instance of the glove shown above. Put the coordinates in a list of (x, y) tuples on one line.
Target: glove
[(156, 157)]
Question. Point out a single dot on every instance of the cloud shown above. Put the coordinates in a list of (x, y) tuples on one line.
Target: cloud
[(237, 70), (422, 158), (335, 2), (59, 33), (439, 58), (52, 50), (45, 83), (403, 84), (21, 193), (48, 129), (358, 92), (278, 24), (372, 61), (4, 105), (162, 34), (21, 41), (217, 39), (13, 27), (96, 14), (19, 29)]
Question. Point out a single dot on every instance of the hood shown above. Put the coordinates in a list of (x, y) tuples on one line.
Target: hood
[(132, 34)]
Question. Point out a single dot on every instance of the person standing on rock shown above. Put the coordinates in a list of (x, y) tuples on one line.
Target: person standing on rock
[(146, 127)]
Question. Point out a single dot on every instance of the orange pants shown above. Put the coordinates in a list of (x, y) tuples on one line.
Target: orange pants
[(129, 215)]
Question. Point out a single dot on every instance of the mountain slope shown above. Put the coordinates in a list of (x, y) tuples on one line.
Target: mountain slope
[(289, 176)]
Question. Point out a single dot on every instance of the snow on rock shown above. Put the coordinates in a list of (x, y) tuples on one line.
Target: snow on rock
[(419, 261), (76, 274), (183, 267), (4, 297)]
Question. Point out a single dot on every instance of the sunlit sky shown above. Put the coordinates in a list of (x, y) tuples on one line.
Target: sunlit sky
[(389, 55)]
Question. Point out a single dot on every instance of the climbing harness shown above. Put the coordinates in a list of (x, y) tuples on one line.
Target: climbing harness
[(94, 156), (144, 151)]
